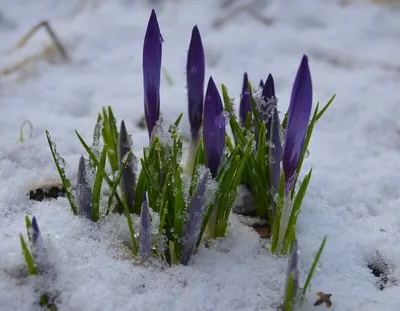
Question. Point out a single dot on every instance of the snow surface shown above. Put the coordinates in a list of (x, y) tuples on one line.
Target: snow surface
[(355, 151)]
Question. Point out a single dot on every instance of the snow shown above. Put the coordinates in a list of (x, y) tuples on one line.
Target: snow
[(353, 194)]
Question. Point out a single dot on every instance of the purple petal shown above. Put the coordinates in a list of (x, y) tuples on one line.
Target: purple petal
[(128, 179), (213, 128), (193, 220), (293, 269), (195, 71), (145, 235), (152, 53), (35, 231), (84, 191), (261, 85), (245, 104), (297, 121)]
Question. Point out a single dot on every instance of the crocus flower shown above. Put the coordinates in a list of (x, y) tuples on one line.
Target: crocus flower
[(84, 191), (152, 53), (193, 220), (128, 184), (293, 270), (245, 104), (261, 85), (213, 128), (195, 71), (297, 122), (145, 236)]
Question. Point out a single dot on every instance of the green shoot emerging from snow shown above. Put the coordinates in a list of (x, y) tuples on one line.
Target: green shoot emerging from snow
[(60, 164)]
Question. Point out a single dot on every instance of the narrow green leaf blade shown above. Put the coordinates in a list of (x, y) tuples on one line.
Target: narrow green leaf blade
[(314, 265), (60, 163), (98, 181)]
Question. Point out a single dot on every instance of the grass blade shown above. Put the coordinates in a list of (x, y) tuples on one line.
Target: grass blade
[(116, 182), (28, 256), (60, 164), (314, 265), (130, 226), (97, 164), (98, 181), (326, 107)]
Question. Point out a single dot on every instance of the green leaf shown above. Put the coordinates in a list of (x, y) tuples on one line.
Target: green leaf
[(254, 110), (278, 213), (249, 118), (130, 226), (28, 227), (326, 107), (98, 181), (141, 188), (97, 164), (30, 262), (110, 137), (117, 180), (262, 149), (200, 159), (291, 229), (174, 259), (243, 163), (227, 101), (314, 265), (284, 122), (60, 164), (173, 127), (164, 202), (305, 147), (288, 303), (21, 131), (179, 208)]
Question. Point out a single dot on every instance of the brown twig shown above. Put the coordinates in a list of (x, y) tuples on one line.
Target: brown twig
[(57, 43)]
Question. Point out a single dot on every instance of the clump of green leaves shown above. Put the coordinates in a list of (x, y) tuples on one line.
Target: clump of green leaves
[(270, 173)]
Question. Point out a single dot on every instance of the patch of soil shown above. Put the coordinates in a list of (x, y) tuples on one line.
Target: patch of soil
[(381, 271), (47, 192)]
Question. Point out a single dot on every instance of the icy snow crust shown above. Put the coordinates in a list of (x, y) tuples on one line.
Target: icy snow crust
[(353, 194)]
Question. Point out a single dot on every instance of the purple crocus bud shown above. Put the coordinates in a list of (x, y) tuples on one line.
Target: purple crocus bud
[(145, 235), (195, 71), (245, 104), (297, 122), (35, 231), (38, 248), (268, 107), (268, 91), (192, 221), (128, 182), (213, 128), (273, 127), (293, 270), (83, 190), (261, 85), (152, 53)]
